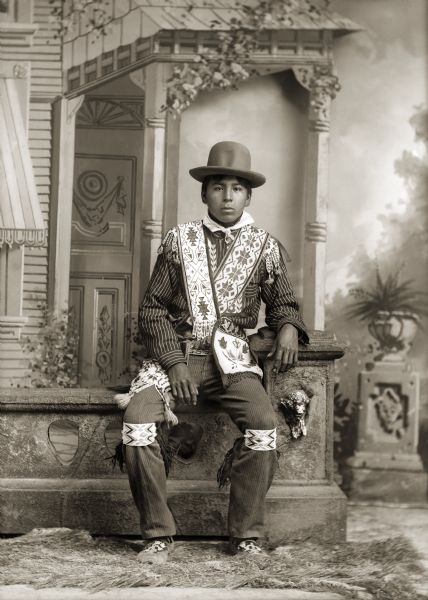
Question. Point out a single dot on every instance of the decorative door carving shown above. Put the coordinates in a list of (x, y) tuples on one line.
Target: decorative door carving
[(104, 262)]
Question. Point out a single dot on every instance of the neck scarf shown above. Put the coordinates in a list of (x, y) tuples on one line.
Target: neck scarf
[(246, 219)]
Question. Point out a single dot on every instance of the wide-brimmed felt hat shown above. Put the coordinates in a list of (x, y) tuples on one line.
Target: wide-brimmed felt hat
[(229, 158)]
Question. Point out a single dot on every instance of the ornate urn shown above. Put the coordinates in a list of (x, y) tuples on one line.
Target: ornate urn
[(394, 331)]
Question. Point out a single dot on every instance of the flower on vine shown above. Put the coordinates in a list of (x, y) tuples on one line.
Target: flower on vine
[(236, 68)]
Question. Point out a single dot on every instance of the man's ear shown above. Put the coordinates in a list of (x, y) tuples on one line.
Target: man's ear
[(248, 200), (204, 198)]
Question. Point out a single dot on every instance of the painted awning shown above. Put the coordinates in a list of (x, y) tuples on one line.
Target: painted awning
[(141, 19), (220, 14), (21, 219)]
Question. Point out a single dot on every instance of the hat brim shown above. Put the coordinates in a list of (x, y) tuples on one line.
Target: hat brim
[(254, 179)]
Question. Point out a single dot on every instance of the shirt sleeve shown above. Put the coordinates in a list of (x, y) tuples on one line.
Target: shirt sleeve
[(154, 317), (278, 294)]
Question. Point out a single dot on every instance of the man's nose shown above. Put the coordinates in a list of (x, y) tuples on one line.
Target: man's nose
[(227, 195)]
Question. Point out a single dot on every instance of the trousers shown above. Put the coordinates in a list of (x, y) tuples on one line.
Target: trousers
[(246, 402)]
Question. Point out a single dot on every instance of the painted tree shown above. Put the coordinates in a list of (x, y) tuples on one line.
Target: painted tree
[(403, 242)]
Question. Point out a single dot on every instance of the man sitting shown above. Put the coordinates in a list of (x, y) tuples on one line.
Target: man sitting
[(205, 291)]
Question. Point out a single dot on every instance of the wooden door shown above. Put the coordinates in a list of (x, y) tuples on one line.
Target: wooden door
[(104, 256)]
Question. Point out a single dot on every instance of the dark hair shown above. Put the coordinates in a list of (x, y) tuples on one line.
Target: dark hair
[(244, 182)]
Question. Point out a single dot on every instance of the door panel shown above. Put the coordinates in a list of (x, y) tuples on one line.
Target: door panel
[(103, 348), (103, 203), (104, 266)]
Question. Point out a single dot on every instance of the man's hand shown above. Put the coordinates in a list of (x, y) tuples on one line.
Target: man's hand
[(183, 387), (285, 347)]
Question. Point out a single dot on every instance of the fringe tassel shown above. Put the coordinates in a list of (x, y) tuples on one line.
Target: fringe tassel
[(170, 417), (122, 400), (225, 470), (118, 458), (169, 451)]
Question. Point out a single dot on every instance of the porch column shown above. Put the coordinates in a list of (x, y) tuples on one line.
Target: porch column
[(322, 85), (64, 117), (153, 187)]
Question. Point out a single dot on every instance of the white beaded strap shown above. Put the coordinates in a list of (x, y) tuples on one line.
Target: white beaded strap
[(260, 439), (138, 434)]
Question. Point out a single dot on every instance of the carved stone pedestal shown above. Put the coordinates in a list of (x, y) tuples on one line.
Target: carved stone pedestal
[(386, 465), (46, 483)]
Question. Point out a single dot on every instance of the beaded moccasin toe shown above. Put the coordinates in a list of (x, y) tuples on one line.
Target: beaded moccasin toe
[(246, 547), (155, 551)]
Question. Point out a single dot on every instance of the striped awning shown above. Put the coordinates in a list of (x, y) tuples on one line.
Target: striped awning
[(21, 220)]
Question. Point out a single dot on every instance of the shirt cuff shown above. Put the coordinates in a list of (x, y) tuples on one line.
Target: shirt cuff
[(303, 334), (171, 358)]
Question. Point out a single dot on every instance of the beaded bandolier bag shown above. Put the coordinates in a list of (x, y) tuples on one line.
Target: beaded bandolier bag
[(214, 295)]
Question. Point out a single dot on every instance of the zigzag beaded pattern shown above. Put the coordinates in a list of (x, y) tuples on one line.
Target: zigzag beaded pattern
[(138, 434), (260, 439), (213, 255)]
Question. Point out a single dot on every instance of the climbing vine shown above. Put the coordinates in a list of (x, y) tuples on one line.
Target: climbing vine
[(223, 66), (53, 351)]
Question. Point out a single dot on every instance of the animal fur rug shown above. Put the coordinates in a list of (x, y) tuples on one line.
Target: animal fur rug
[(381, 570)]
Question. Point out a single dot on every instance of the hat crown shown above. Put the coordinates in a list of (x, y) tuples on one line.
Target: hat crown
[(230, 155), (229, 158)]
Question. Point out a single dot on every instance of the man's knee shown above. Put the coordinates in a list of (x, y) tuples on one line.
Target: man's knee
[(145, 407), (261, 416), (143, 412)]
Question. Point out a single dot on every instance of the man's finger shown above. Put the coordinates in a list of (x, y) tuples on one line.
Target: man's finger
[(285, 360), (186, 391), (278, 358), (289, 359), (179, 391), (193, 392), (273, 351)]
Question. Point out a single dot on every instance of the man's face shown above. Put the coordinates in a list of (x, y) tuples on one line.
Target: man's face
[(226, 199)]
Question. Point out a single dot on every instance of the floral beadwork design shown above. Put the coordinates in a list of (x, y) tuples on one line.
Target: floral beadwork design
[(151, 373)]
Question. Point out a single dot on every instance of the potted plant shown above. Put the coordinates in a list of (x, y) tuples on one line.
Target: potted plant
[(392, 311)]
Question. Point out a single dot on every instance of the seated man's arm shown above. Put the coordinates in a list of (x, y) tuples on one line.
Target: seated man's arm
[(155, 325), (282, 314), (157, 330)]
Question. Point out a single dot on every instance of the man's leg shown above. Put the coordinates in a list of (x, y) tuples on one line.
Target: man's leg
[(145, 465), (254, 460)]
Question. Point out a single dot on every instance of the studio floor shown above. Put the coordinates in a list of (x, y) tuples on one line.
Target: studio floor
[(365, 523)]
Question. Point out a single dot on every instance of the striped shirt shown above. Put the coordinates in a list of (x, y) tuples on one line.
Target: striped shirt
[(164, 315)]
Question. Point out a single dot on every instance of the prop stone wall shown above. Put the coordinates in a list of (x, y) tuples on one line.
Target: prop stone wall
[(44, 483)]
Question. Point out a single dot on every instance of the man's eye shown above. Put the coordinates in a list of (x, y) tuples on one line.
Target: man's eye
[(237, 188), (217, 188)]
